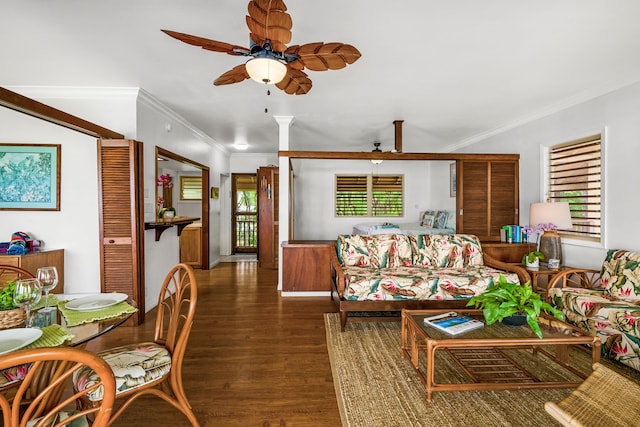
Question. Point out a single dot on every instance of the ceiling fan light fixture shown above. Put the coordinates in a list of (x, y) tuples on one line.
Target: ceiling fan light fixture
[(266, 70), (376, 150)]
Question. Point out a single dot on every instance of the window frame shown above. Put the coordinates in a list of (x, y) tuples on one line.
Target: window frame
[(545, 156), (369, 196), (183, 180)]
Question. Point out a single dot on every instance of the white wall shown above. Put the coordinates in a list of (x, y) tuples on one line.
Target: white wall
[(179, 138), (618, 113), (75, 228), (426, 186)]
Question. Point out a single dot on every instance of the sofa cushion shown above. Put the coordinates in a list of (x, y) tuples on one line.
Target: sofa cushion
[(620, 275), (133, 365), (419, 283), (616, 322), (421, 250), (353, 250), (456, 250)]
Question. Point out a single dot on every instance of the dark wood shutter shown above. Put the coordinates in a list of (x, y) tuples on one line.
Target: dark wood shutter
[(120, 170), (268, 217), (488, 197)]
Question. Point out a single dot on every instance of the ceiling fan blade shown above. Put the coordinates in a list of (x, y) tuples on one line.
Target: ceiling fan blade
[(207, 44), (321, 56), (296, 82), (234, 75), (268, 20)]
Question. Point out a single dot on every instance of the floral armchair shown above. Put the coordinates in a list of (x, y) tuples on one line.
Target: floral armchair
[(605, 303)]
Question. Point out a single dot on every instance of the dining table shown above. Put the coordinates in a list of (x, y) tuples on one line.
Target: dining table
[(73, 327)]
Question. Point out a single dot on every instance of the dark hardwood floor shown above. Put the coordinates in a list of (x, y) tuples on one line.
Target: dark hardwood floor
[(254, 358)]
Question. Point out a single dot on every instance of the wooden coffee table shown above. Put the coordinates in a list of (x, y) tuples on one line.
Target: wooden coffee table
[(485, 357)]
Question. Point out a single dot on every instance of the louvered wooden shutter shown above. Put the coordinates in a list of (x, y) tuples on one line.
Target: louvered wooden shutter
[(121, 213), (351, 195), (386, 195)]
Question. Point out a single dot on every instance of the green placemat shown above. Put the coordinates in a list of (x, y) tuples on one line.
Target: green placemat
[(53, 301), (75, 317), (52, 336)]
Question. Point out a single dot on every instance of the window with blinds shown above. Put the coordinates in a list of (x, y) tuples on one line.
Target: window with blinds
[(190, 188), (369, 195), (575, 176)]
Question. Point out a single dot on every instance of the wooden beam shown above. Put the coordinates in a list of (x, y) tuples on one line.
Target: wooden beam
[(398, 135), (29, 106), (346, 155)]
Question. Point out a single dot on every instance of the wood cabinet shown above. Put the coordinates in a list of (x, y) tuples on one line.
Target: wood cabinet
[(120, 171), (305, 266), (507, 252), (487, 197), (31, 261), (268, 218), (190, 246)]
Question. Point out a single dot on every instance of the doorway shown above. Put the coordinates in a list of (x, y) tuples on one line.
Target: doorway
[(179, 162), (244, 215)]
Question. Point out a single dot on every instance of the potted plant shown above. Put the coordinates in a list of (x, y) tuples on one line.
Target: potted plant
[(503, 299), (10, 314), (532, 259)]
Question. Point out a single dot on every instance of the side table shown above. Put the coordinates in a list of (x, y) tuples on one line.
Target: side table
[(542, 271)]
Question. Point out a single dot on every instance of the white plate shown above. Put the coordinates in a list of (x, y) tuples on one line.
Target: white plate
[(96, 302), (13, 339)]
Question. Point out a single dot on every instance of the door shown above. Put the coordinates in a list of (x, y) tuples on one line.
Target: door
[(268, 217), (244, 218), (120, 170)]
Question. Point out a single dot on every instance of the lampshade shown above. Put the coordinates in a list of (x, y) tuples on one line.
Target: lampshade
[(556, 213), (266, 70)]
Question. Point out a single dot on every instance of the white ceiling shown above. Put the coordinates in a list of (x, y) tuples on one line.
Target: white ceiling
[(452, 70)]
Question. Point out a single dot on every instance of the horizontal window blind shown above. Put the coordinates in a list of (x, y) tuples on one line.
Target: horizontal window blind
[(575, 176), (190, 188), (369, 195), (386, 195)]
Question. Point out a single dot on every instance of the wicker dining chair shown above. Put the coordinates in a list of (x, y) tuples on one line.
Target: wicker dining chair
[(42, 391), (10, 272), (160, 360), (605, 398)]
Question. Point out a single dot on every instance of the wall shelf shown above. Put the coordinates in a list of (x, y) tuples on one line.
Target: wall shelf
[(161, 225)]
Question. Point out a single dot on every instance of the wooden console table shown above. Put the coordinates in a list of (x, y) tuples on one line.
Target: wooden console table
[(31, 261), (306, 265), (507, 252)]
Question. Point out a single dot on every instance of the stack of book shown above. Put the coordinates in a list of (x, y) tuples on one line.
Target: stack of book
[(453, 323)]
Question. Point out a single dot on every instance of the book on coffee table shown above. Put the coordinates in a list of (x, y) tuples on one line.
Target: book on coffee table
[(453, 323)]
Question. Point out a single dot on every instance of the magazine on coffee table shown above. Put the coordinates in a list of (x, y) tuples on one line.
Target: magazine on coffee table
[(453, 323)]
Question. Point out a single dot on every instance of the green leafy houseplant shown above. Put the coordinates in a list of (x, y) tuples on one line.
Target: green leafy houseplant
[(531, 257), (504, 299), (6, 296)]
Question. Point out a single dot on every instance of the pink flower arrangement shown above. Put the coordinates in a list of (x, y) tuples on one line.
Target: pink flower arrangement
[(164, 181)]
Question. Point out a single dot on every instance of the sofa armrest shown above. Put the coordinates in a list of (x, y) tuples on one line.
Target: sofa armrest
[(337, 274), (576, 278), (522, 273)]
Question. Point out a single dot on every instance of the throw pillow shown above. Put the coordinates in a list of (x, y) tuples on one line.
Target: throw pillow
[(428, 218), (440, 220)]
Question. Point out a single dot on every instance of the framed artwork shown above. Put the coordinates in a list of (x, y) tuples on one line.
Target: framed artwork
[(215, 192), (30, 177), (452, 179)]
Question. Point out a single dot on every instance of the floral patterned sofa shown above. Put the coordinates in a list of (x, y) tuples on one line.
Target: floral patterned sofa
[(605, 303), (389, 272)]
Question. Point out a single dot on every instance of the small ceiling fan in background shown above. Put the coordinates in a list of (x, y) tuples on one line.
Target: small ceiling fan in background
[(271, 61)]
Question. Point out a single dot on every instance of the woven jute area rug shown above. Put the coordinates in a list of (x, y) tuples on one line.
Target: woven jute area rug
[(375, 386)]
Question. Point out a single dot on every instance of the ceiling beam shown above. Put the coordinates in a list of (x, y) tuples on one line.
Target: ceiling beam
[(17, 102), (398, 135), (345, 155)]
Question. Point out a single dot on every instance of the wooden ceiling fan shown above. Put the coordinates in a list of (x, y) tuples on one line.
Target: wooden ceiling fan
[(271, 61)]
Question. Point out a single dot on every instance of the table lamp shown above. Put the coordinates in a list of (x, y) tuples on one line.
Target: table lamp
[(550, 216)]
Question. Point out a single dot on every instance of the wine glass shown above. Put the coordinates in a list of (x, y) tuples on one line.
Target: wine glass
[(48, 278), (26, 294)]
